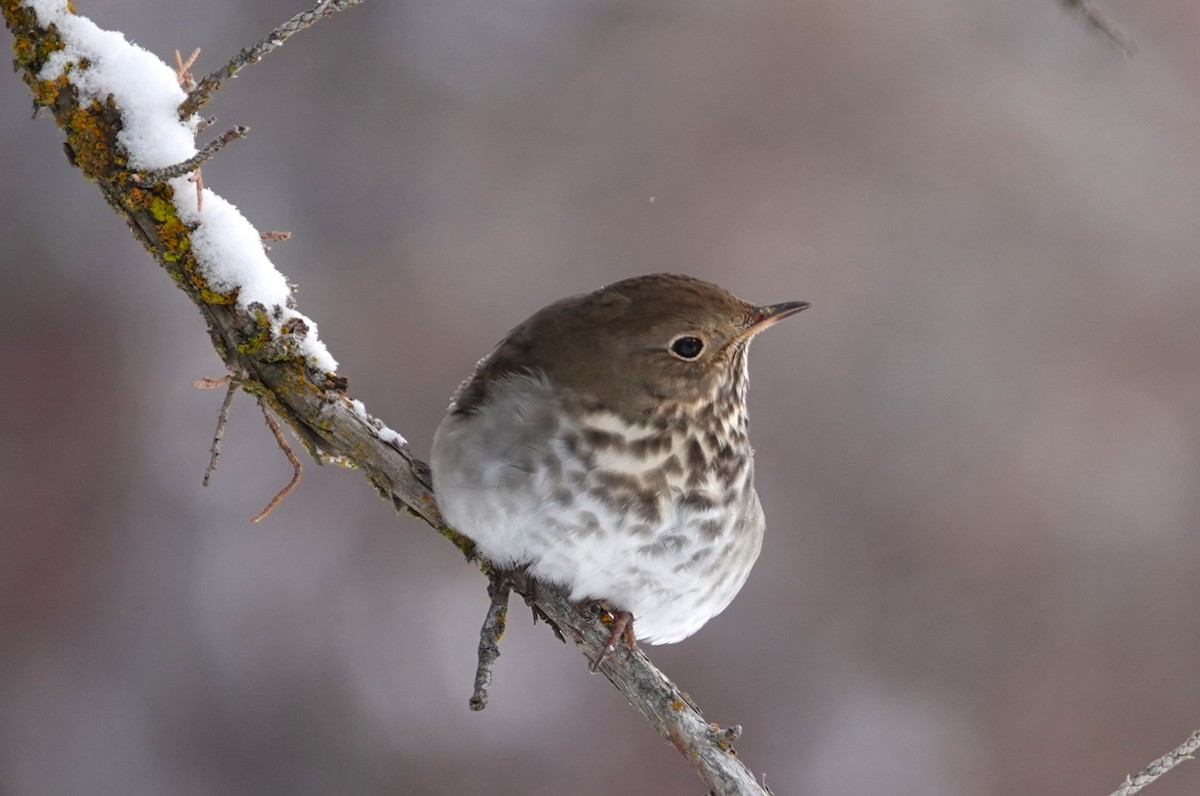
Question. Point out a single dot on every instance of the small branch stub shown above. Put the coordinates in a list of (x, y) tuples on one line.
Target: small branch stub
[(489, 637), (725, 736), (196, 161), (222, 416), (291, 457)]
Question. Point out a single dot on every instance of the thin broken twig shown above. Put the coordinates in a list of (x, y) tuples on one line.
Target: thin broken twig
[(210, 83), (1102, 24), (489, 637), (195, 161), (291, 457), (222, 416)]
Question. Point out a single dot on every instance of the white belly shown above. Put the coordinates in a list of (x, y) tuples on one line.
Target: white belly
[(507, 478)]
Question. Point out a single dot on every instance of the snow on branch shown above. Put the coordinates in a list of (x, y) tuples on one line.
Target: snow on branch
[(101, 68), (130, 127)]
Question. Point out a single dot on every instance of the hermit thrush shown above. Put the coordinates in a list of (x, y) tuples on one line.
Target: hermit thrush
[(603, 445)]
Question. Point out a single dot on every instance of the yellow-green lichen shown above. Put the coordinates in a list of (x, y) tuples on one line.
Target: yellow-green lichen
[(162, 209), (174, 234), (46, 92), (91, 136), (175, 242), (501, 626), (32, 48), (32, 45), (464, 545), (91, 128), (253, 346), (215, 297), (260, 342)]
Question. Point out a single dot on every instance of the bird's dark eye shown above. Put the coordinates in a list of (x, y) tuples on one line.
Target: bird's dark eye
[(687, 347)]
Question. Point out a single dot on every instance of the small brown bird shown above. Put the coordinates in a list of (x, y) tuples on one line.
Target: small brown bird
[(603, 445)]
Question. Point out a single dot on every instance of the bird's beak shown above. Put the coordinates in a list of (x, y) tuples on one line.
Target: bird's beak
[(766, 315)]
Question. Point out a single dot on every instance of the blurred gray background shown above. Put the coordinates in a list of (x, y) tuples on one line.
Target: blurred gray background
[(979, 452)]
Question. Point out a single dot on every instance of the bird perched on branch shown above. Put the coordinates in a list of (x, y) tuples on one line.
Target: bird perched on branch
[(603, 446)]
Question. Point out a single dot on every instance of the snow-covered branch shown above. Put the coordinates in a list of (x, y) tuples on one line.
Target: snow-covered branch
[(120, 108)]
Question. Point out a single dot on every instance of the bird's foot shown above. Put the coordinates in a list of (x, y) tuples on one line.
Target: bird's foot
[(622, 631), (520, 581), (524, 584)]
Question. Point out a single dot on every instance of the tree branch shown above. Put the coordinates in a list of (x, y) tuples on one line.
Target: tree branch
[(1099, 22), (197, 160), (231, 386), (275, 350), (213, 81), (489, 637), (1162, 765)]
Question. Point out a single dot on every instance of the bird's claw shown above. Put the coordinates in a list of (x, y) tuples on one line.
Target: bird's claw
[(622, 631)]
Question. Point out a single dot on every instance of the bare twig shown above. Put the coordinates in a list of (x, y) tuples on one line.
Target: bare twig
[(1160, 766), (1101, 23), (291, 457), (489, 637), (222, 416), (272, 236), (209, 383), (251, 55), (195, 161)]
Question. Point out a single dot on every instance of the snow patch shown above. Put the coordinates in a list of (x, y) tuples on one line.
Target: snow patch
[(227, 247)]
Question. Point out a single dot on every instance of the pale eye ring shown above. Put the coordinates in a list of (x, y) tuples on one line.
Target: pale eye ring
[(687, 346)]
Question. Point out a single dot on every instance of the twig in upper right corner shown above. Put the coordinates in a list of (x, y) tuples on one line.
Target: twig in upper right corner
[(1101, 23), (1162, 765)]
